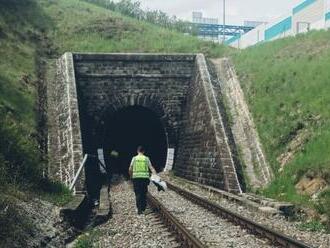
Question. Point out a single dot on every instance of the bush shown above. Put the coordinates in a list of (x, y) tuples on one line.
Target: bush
[(19, 155), (54, 192), (133, 9)]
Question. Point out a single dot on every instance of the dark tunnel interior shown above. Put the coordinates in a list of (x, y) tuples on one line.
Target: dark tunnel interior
[(128, 128)]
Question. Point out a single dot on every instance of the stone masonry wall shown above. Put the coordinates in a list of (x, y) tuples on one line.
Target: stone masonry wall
[(177, 87), (243, 128), (204, 154), (64, 133), (107, 83)]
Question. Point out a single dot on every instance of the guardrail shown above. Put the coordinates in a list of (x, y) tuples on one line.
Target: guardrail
[(73, 183)]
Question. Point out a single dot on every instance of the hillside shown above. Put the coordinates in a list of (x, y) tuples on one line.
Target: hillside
[(287, 84), (45, 30), (31, 33)]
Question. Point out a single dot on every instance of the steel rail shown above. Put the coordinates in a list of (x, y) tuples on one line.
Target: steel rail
[(275, 237), (186, 239)]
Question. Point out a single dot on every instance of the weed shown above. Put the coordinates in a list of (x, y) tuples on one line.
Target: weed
[(54, 192), (88, 240), (312, 226)]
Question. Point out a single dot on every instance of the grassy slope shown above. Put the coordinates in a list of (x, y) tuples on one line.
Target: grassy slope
[(282, 79), (17, 64), (81, 26), (287, 83), (72, 25)]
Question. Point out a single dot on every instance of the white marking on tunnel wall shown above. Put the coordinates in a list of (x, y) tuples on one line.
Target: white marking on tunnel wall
[(170, 159), (100, 155)]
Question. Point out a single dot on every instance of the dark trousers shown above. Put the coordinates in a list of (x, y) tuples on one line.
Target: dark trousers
[(140, 189)]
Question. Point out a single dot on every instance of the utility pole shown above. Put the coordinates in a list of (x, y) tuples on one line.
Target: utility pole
[(224, 22)]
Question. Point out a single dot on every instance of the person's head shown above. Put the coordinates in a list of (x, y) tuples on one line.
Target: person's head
[(140, 149)]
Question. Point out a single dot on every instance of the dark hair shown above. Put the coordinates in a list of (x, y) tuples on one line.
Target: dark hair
[(140, 149)]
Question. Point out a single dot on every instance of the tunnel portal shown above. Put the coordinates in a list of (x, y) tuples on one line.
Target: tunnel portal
[(128, 128), (119, 101)]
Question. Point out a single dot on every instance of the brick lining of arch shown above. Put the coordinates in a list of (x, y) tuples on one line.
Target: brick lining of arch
[(152, 102)]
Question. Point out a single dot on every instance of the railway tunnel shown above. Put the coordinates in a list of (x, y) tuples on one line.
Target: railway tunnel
[(125, 130), (119, 101)]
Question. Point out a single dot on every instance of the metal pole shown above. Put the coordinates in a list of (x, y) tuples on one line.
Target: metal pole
[(73, 183), (224, 22)]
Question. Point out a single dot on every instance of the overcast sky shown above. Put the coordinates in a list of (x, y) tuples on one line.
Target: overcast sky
[(237, 10)]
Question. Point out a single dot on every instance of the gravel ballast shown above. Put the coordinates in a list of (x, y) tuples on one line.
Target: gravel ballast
[(277, 222), (127, 229), (210, 229)]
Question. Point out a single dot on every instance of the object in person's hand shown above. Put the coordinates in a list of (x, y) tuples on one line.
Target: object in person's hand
[(161, 185)]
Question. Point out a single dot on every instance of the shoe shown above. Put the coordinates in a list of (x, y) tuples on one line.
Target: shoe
[(140, 212), (148, 211), (96, 203)]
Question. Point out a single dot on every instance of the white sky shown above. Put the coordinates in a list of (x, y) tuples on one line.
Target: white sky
[(237, 10)]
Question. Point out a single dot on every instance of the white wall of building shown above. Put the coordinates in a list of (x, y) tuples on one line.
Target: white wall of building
[(310, 15), (327, 22), (254, 36), (305, 18)]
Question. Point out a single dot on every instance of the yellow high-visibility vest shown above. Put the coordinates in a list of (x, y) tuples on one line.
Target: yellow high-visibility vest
[(140, 167)]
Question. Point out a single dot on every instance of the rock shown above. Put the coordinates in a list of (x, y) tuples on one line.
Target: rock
[(269, 210), (310, 186), (324, 219), (296, 144)]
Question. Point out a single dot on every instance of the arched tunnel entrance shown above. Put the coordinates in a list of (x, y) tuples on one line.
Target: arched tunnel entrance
[(125, 130)]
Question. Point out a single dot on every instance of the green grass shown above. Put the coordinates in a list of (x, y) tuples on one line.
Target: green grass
[(287, 84), (88, 240), (312, 226), (54, 192), (70, 26), (81, 26)]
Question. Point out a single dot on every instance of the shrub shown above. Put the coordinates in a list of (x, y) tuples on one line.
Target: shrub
[(19, 155), (54, 192), (133, 9)]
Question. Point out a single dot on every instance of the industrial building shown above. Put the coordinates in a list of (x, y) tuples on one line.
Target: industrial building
[(308, 15)]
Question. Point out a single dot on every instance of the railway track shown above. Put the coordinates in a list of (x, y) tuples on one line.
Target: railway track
[(276, 238), (183, 236), (127, 229), (179, 218)]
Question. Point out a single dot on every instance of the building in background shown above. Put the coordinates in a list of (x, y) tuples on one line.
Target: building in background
[(253, 23), (209, 29), (197, 17), (309, 15)]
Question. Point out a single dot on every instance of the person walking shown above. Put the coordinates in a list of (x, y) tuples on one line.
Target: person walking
[(139, 171)]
